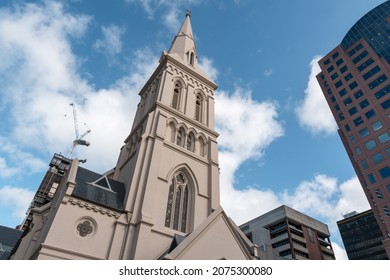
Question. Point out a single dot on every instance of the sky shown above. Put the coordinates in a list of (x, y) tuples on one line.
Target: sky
[(278, 141)]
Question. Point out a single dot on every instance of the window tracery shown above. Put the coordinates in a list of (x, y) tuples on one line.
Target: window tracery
[(177, 211)]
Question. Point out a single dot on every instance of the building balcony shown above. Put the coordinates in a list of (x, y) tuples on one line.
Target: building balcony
[(299, 257), (283, 247), (298, 238), (300, 248), (279, 238), (327, 250)]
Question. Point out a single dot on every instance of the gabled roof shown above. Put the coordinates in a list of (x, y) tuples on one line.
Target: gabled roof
[(99, 189), (219, 234), (8, 239)]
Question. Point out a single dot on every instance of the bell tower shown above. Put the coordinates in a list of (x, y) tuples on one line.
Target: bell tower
[(169, 161)]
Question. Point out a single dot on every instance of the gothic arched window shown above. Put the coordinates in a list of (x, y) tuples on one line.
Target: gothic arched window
[(191, 142), (198, 107), (177, 213), (176, 95), (191, 58), (180, 137)]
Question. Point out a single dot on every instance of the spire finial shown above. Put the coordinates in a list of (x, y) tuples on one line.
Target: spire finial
[(188, 14)]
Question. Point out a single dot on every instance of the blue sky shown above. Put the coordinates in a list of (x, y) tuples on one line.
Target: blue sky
[(278, 141)]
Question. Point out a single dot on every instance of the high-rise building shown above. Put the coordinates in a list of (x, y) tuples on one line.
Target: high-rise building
[(362, 236), (355, 80), (291, 233)]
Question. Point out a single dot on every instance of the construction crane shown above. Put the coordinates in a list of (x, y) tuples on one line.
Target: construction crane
[(79, 139)]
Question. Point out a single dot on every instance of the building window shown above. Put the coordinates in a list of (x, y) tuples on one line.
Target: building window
[(386, 209), (384, 137), (198, 107), (364, 103), (371, 178), (343, 69), (364, 132), (347, 101), (342, 92), (358, 121), (370, 114), (370, 145), (358, 94), (364, 164), (177, 212), (379, 194), (191, 142), (377, 158), (372, 72), (377, 82), (353, 85), (388, 188), (191, 58), (176, 95), (377, 125), (365, 64), (379, 94), (360, 57), (338, 84), (358, 151), (352, 138), (339, 62), (334, 76), (352, 111), (330, 69), (384, 172), (348, 77), (355, 49), (180, 137), (385, 104)]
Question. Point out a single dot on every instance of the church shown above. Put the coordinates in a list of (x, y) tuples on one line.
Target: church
[(162, 199)]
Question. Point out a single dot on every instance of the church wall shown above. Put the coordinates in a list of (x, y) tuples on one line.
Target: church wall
[(78, 218)]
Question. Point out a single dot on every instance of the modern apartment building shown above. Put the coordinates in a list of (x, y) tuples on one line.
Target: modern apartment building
[(293, 234), (355, 80), (362, 236)]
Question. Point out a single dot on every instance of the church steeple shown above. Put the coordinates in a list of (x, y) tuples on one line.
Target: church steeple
[(183, 46)]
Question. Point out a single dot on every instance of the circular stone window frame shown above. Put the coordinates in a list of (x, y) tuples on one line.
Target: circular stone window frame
[(81, 227)]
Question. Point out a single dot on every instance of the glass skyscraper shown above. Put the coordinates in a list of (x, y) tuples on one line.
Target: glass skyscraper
[(355, 80)]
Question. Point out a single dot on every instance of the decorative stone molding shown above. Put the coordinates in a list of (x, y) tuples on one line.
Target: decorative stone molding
[(84, 228), (94, 208)]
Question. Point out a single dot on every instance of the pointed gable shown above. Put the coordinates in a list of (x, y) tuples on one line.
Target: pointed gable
[(219, 235)]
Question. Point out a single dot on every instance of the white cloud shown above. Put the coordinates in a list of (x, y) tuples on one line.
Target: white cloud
[(268, 72), (314, 113), (111, 44), (206, 64), (17, 198), (36, 40)]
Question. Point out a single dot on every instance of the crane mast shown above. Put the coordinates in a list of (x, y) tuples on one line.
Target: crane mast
[(79, 139)]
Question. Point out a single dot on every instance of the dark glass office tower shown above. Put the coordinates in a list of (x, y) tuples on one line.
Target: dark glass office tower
[(362, 236), (355, 80)]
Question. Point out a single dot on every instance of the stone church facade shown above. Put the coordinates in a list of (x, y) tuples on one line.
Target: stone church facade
[(162, 199)]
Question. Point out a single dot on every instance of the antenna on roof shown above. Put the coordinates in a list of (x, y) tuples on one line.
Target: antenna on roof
[(79, 139)]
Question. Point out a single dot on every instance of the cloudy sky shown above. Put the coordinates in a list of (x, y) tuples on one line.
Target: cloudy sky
[(278, 141)]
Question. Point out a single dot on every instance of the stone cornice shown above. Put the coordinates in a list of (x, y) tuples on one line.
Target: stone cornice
[(93, 207)]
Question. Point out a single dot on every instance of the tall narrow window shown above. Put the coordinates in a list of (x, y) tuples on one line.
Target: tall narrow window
[(198, 107), (180, 137), (176, 216), (191, 58), (191, 142), (176, 95)]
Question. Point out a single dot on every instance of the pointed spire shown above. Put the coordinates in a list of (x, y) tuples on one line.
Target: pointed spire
[(184, 45)]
